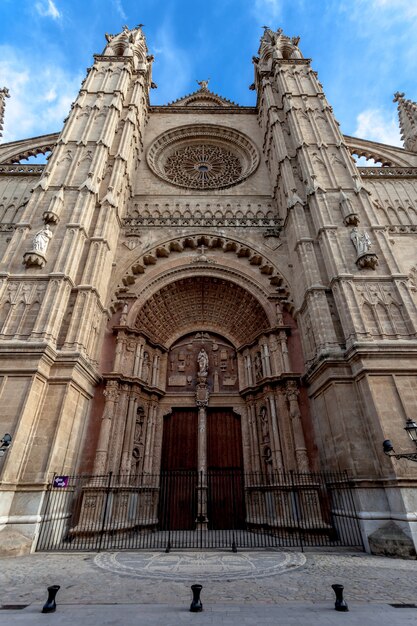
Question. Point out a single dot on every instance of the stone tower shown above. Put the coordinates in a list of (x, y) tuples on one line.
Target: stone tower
[(203, 285)]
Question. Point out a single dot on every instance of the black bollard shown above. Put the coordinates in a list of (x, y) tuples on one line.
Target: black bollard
[(50, 605), (340, 604), (196, 605)]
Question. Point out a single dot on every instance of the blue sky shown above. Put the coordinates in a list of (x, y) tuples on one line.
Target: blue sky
[(363, 50)]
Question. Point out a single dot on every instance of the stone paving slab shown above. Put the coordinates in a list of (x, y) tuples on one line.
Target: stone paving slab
[(243, 579), (220, 615)]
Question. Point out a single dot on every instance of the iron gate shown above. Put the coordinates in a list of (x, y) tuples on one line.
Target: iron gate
[(187, 509)]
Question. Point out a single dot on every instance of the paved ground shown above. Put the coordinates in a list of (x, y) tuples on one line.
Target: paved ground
[(244, 588)]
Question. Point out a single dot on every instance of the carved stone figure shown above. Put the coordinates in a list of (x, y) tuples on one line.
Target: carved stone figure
[(203, 362), (203, 84), (123, 317), (279, 315), (41, 240), (263, 417), (362, 242), (145, 367), (258, 366)]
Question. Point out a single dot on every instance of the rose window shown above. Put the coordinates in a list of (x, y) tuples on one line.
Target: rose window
[(203, 167), (203, 157)]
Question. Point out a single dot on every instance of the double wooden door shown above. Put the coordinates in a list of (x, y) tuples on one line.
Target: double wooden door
[(179, 475)]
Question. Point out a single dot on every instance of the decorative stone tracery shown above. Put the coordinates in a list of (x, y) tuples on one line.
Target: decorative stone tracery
[(203, 157), (203, 166)]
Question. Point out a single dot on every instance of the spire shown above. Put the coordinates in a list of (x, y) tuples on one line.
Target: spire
[(4, 93), (281, 46), (130, 42), (407, 113)]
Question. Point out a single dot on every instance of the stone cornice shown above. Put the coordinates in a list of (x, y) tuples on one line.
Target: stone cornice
[(271, 381), (138, 333), (215, 110), (130, 380)]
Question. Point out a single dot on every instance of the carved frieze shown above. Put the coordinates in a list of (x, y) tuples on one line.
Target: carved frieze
[(382, 310)]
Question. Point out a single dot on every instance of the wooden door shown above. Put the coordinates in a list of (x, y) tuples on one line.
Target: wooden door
[(177, 502), (226, 507)]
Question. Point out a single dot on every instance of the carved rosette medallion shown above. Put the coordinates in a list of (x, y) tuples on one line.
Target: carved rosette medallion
[(203, 157)]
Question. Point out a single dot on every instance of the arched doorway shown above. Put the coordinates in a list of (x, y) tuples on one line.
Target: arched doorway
[(202, 445)]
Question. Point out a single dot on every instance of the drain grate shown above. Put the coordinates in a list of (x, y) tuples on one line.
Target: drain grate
[(12, 607), (404, 606)]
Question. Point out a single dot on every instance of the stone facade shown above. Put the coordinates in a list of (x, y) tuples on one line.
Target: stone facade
[(153, 230)]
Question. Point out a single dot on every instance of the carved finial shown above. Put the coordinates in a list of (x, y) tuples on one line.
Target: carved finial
[(398, 95), (4, 93), (203, 84)]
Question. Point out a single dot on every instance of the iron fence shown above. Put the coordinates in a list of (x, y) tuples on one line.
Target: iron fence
[(187, 509)]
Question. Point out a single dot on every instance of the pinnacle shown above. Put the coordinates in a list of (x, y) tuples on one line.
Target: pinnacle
[(407, 114)]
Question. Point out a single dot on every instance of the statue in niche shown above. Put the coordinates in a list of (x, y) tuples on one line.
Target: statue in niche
[(263, 417), (267, 454), (279, 315), (41, 240), (258, 366), (203, 362), (139, 429), (362, 242), (123, 317), (145, 367)]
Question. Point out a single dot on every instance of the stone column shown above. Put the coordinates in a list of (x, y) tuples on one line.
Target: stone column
[(253, 429), (297, 428), (275, 439), (111, 393), (129, 435), (202, 398)]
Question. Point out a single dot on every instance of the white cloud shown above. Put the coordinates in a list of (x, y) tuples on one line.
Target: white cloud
[(378, 125), (268, 12), (404, 9), (47, 8), (119, 8), (40, 95)]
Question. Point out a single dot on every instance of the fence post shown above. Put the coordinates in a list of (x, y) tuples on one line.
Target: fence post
[(42, 524), (105, 511), (297, 514)]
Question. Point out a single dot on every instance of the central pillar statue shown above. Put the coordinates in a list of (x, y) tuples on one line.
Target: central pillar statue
[(202, 398)]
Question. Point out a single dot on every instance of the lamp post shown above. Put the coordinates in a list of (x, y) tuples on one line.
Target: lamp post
[(5, 443), (411, 429)]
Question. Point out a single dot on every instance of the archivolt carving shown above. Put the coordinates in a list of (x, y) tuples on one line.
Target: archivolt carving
[(202, 301), (253, 257)]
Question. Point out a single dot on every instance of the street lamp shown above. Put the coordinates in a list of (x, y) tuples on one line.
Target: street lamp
[(5, 443), (411, 429)]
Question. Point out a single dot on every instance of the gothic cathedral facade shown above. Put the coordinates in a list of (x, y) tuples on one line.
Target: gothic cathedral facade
[(207, 284)]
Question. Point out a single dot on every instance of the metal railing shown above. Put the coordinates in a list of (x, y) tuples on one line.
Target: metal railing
[(163, 511)]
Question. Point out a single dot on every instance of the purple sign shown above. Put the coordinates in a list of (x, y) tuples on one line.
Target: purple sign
[(61, 481)]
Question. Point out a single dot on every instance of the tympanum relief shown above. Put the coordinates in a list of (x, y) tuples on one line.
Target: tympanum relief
[(189, 357)]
